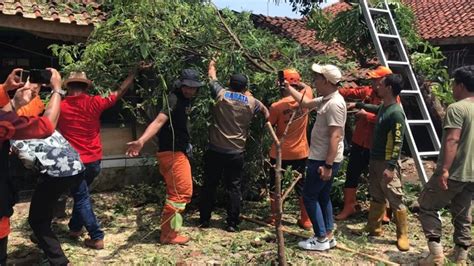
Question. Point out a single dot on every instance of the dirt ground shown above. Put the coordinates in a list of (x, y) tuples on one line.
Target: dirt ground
[(132, 235)]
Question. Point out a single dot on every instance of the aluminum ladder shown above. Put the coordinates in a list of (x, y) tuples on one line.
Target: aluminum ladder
[(402, 66)]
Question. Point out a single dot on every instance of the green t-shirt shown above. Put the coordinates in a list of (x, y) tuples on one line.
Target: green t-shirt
[(461, 115), (388, 134)]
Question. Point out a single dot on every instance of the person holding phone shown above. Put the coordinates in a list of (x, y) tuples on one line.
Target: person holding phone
[(295, 148), (326, 153), (224, 160), (13, 126)]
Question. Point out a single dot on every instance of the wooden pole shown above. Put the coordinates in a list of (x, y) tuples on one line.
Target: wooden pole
[(278, 226)]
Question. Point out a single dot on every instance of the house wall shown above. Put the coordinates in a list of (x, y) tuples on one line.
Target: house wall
[(458, 55), (25, 50)]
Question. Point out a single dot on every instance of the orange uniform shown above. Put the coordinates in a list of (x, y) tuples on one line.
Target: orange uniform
[(295, 145)]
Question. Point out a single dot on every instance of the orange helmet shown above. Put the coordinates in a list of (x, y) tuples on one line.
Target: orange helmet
[(291, 75)]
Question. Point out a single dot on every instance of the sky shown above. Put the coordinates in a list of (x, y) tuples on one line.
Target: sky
[(265, 7)]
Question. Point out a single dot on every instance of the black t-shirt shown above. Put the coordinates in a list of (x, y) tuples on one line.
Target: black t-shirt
[(8, 195), (177, 109)]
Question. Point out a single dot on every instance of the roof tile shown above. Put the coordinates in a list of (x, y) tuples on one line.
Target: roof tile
[(55, 10)]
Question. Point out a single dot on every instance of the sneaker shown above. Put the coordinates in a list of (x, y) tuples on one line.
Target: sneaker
[(332, 243), (314, 243)]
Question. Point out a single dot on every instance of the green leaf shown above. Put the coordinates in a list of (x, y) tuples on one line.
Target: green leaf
[(176, 222)]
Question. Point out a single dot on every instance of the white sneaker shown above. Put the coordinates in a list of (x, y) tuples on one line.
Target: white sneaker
[(314, 243), (332, 243)]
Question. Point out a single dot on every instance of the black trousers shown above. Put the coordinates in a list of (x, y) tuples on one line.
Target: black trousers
[(227, 167), (47, 193), (358, 162), (3, 251), (298, 165)]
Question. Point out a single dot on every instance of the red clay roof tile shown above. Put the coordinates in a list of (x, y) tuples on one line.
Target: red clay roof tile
[(55, 10)]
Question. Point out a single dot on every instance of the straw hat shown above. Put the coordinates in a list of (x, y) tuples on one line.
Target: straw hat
[(78, 77)]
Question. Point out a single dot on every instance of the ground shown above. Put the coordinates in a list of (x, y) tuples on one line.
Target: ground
[(131, 225)]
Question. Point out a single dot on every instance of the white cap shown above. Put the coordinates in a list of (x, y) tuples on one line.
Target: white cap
[(330, 72)]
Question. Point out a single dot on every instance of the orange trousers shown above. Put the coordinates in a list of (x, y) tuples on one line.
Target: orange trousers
[(176, 171), (4, 227)]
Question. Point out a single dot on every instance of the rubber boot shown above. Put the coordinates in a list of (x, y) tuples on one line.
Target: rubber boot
[(374, 223), (304, 221), (273, 210), (436, 256), (3, 251), (401, 218), (350, 204), (460, 255), (169, 235)]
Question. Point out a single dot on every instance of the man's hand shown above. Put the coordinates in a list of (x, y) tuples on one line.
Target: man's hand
[(443, 180), (361, 114), (13, 80), (324, 173), (212, 72), (23, 96), (55, 81), (134, 148), (350, 106), (388, 175)]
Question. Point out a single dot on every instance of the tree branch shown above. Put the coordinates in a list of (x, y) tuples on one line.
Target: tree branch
[(239, 44)]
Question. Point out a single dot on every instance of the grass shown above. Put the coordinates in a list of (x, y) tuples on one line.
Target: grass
[(131, 222)]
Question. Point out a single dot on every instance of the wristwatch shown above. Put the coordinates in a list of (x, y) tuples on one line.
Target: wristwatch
[(327, 166), (61, 92)]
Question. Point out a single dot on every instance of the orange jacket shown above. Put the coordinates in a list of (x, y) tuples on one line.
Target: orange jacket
[(4, 99), (364, 127), (33, 108)]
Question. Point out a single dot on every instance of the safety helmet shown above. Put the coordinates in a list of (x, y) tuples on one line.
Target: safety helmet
[(291, 75)]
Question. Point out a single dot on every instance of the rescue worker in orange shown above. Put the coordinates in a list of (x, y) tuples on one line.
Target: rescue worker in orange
[(295, 148), (171, 127), (361, 140)]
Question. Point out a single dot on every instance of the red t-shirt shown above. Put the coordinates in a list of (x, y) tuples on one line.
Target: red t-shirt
[(79, 123)]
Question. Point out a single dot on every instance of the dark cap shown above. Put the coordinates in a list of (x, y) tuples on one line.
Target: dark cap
[(238, 82), (190, 77)]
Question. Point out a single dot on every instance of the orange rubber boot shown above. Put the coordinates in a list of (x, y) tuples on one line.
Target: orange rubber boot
[(350, 204), (304, 221), (168, 234)]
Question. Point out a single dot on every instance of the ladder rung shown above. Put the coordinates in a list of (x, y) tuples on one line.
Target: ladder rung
[(428, 153), (409, 92), (387, 36), (418, 122), (378, 11), (397, 63)]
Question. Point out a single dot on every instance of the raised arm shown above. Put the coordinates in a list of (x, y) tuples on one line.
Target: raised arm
[(212, 74), (126, 84), (53, 109), (305, 102)]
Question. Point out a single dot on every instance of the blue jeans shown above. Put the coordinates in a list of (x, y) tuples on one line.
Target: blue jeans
[(82, 212), (316, 196)]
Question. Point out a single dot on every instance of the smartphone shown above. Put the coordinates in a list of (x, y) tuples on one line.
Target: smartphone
[(40, 76), (281, 78), (24, 74)]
